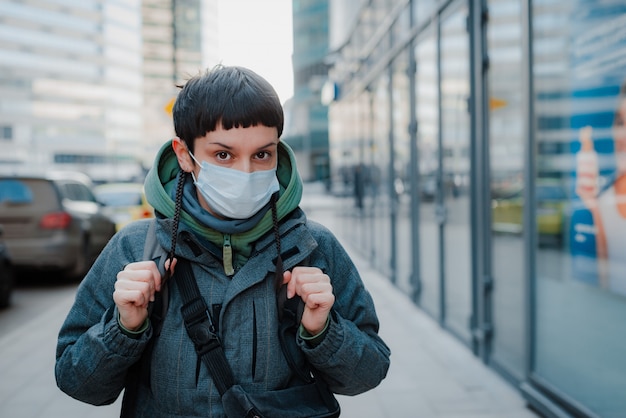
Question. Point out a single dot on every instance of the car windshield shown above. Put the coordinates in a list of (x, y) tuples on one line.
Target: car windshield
[(120, 198)]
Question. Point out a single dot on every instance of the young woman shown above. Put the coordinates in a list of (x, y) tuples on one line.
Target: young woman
[(226, 193)]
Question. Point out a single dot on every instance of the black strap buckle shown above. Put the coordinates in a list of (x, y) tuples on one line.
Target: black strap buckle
[(200, 326), (203, 336)]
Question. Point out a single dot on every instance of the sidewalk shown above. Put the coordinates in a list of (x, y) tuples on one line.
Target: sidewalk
[(432, 374)]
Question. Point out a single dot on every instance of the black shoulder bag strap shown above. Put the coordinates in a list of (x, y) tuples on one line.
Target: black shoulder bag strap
[(290, 315), (201, 329), (152, 251), (139, 373), (202, 332)]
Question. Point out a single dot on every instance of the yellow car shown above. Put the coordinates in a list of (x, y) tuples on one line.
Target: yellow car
[(507, 210), (123, 202)]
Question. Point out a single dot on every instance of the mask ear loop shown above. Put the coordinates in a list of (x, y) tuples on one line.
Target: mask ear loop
[(197, 162), (182, 175)]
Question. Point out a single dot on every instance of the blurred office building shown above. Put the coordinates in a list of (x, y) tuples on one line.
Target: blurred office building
[(306, 125), (88, 85), (485, 143), (179, 39)]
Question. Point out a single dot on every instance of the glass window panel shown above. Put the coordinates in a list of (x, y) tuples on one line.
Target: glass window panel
[(46, 41), (68, 67), (580, 211), (402, 154), (427, 144), (363, 186), (51, 18), (454, 181), (378, 173), (423, 10), (506, 148)]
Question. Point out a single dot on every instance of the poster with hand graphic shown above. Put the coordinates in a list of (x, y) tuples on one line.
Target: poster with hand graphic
[(598, 221)]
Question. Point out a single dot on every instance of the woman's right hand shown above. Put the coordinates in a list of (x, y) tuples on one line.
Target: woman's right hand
[(134, 290)]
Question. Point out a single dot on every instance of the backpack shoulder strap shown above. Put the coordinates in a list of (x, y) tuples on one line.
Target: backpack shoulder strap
[(200, 328), (289, 315), (152, 250), (139, 373)]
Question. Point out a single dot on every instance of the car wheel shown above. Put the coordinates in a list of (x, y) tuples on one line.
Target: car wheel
[(7, 281)]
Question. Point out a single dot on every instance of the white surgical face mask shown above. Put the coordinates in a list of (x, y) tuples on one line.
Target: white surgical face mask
[(232, 193)]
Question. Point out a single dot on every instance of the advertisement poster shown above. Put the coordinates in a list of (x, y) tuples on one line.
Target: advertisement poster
[(598, 99)]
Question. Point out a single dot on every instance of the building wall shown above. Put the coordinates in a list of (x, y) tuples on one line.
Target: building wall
[(71, 80), (464, 138), (159, 75), (179, 39), (306, 127), (88, 85)]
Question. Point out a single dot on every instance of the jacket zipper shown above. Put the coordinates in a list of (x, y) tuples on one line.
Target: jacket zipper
[(227, 256)]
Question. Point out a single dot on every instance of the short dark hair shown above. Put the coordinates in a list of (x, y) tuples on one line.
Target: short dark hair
[(233, 96)]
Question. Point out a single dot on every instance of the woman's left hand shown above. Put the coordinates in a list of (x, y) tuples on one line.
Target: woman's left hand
[(315, 289)]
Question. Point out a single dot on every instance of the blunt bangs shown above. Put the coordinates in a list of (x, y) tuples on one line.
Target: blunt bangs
[(233, 96)]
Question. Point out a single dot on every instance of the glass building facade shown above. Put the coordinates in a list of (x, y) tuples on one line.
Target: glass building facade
[(483, 149), (179, 39), (87, 85), (70, 81), (306, 125)]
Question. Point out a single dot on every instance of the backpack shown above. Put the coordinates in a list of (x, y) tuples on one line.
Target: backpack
[(290, 310), (311, 399)]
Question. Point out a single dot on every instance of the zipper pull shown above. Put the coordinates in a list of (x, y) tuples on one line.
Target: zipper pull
[(227, 256)]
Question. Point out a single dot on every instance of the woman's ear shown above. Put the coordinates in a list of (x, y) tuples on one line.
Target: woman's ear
[(182, 154)]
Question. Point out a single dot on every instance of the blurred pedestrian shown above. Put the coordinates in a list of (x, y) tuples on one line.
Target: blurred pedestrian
[(359, 185), (226, 192)]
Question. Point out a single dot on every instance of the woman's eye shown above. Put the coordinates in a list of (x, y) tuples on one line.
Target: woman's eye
[(263, 155), (222, 155)]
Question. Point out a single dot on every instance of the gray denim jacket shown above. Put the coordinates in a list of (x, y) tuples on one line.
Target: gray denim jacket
[(93, 355)]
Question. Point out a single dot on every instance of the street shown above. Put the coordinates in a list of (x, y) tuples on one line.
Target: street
[(32, 296)]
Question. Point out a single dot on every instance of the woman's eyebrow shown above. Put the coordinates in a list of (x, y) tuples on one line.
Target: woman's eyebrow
[(221, 145), (271, 144)]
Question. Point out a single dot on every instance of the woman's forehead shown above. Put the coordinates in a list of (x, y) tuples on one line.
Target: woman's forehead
[(252, 137)]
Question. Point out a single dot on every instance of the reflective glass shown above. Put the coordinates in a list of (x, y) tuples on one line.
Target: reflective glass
[(506, 155), (427, 144), (379, 178), (580, 102), (30, 13), (454, 179), (402, 162)]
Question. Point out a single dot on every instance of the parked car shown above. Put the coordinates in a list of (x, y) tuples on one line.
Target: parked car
[(429, 187), (507, 210), (53, 222), (7, 276), (124, 202)]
